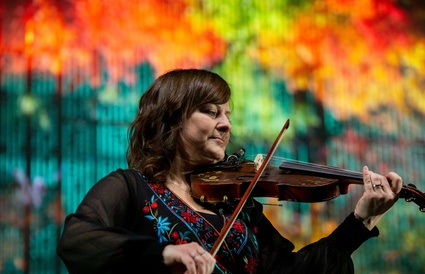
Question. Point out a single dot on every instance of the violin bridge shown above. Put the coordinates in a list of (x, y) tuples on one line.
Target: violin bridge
[(258, 161)]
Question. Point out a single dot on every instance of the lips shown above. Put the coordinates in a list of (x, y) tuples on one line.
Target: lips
[(217, 138)]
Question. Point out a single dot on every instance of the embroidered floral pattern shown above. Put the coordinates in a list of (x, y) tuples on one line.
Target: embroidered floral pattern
[(240, 247), (162, 226)]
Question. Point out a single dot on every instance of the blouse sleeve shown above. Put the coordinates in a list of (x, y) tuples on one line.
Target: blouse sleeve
[(329, 255), (98, 237)]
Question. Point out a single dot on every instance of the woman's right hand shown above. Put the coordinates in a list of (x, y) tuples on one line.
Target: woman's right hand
[(188, 258)]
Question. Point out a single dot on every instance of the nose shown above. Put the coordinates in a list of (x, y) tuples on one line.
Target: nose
[(224, 123)]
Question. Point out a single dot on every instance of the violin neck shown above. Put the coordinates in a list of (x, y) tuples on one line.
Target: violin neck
[(408, 192), (344, 175)]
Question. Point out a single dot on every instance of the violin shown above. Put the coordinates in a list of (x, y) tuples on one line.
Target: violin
[(291, 181), (258, 179)]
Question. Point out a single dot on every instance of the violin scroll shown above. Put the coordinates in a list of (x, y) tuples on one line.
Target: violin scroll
[(410, 193)]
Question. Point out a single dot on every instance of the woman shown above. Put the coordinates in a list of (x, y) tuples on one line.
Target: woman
[(144, 219)]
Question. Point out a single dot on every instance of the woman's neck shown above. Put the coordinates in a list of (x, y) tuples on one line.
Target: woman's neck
[(177, 183)]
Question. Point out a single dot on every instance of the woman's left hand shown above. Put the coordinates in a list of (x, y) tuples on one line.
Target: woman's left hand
[(379, 196)]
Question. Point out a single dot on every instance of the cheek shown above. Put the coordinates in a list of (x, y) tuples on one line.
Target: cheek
[(194, 135), (199, 129)]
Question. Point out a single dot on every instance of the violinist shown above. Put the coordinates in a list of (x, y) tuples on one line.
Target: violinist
[(143, 219)]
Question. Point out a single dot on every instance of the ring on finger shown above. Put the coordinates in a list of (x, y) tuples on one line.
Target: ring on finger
[(375, 185), (198, 254)]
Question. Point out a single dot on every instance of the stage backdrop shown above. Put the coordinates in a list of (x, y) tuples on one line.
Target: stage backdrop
[(349, 74)]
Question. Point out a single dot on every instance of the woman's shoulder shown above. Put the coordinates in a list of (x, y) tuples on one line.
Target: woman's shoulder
[(132, 179), (130, 175), (124, 182)]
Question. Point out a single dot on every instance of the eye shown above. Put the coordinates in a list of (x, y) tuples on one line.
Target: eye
[(210, 110), (212, 113)]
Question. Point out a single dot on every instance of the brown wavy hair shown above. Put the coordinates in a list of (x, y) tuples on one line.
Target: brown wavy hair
[(154, 134)]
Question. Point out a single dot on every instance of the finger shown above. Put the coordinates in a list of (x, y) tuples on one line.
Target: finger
[(190, 258), (396, 182), (201, 264), (198, 253), (205, 262), (188, 261), (367, 179), (379, 183), (209, 262)]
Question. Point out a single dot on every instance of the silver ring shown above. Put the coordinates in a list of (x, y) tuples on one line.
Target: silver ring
[(196, 255), (376, 185)]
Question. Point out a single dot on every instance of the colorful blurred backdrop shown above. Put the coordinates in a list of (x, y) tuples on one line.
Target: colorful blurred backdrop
[(350, 74)]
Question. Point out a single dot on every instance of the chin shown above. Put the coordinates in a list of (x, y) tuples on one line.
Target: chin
[(217, 157)]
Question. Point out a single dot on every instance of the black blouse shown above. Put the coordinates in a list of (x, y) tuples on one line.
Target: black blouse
[(124, 223)]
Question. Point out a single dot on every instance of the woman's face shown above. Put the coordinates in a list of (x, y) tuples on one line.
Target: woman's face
[(206, 134)]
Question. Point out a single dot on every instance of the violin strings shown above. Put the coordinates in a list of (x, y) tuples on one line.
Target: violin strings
[(313, 167), (318, 168)]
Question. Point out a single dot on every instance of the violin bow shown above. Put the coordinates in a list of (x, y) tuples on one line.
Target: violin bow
[(248, 192)]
